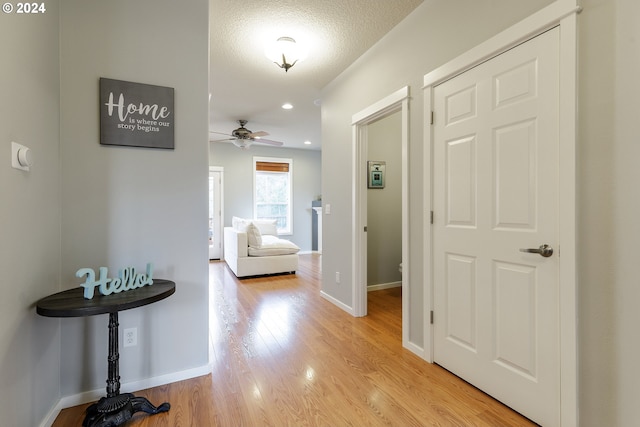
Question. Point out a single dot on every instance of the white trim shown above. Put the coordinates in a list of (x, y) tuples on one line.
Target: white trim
[(562, 14), (337, 302), (380, 108), (415, 349), (220, 169), (536, 24), (567, 223), (359, 209), (51, 416), (382, 286), (406, 272), (397, 101), (131, 387), (427, 201)]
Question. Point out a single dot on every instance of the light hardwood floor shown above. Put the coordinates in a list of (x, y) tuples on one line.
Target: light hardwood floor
[(283, 356)]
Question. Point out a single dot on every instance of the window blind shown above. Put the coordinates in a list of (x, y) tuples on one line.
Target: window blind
[(272, 167)]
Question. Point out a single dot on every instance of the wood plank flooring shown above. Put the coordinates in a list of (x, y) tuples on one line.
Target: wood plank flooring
[(283, 356)]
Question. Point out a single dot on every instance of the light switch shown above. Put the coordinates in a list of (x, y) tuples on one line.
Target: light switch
[(327, 209), (21, 157)]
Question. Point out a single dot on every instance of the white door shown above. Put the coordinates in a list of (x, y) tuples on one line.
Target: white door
[(215, 215), (496, 320)]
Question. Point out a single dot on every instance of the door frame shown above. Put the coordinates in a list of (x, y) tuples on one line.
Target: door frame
[(562, 14), (397, 101), (220, 169)]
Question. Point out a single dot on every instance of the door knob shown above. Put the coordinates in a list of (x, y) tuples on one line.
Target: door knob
[(543, 250)]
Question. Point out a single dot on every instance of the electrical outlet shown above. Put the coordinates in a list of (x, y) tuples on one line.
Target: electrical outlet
[(337, 277), (130, 337)]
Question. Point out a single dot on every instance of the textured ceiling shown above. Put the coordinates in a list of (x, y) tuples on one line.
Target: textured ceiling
[(246, 85)]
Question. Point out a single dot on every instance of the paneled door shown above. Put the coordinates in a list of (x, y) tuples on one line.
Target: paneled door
[(495, 232)]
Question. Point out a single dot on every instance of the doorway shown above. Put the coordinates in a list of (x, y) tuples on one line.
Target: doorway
[(397, 102), (215, 211), (384, 203)]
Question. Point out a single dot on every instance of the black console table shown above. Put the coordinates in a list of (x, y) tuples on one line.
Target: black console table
[(114, 409)]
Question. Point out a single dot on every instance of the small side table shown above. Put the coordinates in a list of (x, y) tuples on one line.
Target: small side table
[(114, 409)]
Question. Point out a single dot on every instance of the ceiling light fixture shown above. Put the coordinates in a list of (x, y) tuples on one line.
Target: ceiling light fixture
[(285, 53), (287, 106)]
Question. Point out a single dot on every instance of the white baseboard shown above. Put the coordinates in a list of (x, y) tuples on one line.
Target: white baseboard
[(336, 302), (382, 286), (93, 395), (415, 349), (51, 416)]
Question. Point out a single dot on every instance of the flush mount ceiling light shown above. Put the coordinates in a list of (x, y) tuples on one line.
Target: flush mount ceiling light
[(287, 106), (285, 52)]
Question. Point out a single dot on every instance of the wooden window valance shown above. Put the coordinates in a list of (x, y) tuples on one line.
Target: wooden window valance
[(272, 167)]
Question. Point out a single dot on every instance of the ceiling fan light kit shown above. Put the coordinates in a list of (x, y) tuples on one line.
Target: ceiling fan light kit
[(285, 53)]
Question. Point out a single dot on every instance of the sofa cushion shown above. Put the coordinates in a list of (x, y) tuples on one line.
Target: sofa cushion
[(254, 236), (266, 226), (272, 245)]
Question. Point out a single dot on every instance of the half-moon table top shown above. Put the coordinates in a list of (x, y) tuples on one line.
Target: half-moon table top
[(72, 303)]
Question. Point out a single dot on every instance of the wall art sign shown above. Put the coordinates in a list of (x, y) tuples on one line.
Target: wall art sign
[(375, 177), (136, 114), (127, 279)]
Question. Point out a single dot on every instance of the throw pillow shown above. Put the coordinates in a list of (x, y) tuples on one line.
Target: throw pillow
[(253, 236), (267, 226), (240, 224)]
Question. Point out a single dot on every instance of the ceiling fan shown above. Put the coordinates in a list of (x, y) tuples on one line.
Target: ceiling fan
[(244, 138)]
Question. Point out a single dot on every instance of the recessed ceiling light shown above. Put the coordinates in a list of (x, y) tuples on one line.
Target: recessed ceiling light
[(287, 106), (307, 143)]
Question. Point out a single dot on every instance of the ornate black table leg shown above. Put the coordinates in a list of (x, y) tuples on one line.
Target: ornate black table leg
[(116, 408), (113, 378)]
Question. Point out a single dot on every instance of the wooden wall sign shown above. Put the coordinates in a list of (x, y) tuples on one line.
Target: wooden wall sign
[(136, 114)]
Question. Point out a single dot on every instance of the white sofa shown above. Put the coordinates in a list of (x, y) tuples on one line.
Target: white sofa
[(252, 248)]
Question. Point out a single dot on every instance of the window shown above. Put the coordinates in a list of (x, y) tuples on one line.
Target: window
[(272, 195)]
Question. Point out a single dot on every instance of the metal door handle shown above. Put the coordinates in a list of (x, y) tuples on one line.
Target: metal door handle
[(543, 250)]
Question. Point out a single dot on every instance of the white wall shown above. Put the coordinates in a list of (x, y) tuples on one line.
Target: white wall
[(238, 183), (436, 32), (384, 206), (128, 206), (29, 216), (608, 209)]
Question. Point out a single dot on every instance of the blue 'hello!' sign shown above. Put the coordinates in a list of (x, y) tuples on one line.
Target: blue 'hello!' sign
[(127, 280)]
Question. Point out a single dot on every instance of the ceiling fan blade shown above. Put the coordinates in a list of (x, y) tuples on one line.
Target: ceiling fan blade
[(222, 140), (258, 134), (220, 133), (269, 142)]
